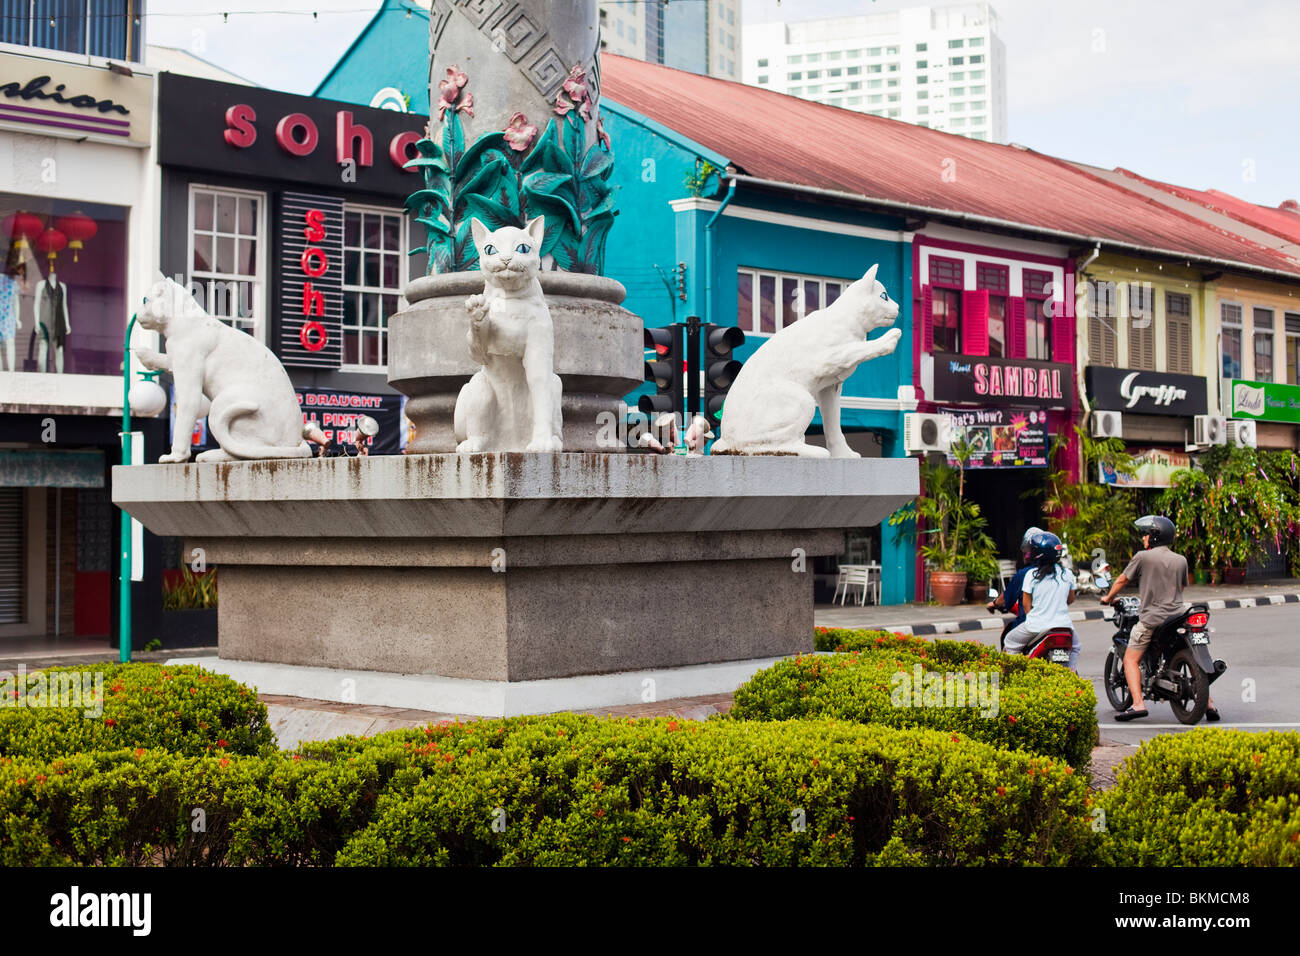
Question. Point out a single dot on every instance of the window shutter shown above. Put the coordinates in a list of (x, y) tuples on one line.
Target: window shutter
[(975, 322), (1015, 328), (927, 320), (1062, 335)]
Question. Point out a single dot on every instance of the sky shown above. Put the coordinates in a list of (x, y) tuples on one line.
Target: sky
[(1196, 92)]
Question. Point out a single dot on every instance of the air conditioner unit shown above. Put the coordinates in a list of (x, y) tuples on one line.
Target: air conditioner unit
[(1210, 429), (1242, 433), (922, 432), (1107, 424)]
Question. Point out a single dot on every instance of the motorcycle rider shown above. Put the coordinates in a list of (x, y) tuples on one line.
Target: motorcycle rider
[(1160, 573), (1049, 589), (1010, 596)]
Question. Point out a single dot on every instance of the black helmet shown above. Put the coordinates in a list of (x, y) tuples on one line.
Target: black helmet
[(1160, 528), (1044, 546)]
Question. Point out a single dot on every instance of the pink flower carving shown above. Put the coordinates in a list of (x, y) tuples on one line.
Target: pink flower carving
[(578, 96), (520, 133), (562, 106), (452, 93), (601, 136), (576, 84)]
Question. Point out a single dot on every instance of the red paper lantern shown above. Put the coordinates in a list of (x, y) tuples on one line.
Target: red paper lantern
[(22, 228), (50, 242), (78, 228)]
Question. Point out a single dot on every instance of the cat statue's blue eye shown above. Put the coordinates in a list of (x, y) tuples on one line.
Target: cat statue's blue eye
[(490, 250), (524, 248), (885, 296)]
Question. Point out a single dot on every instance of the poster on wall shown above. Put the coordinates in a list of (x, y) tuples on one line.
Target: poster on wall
[(1155, 468), (336, 414), (1000, 437)]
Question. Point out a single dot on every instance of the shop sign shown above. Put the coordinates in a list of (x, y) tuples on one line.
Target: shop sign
[(48, 98), (336, 414), (254, 133), (1000, 437), (311, 280), (1145, 393), (1155, 468), (1266, 401), (985, 380)]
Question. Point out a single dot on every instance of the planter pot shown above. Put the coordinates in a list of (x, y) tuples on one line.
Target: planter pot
[(1234, 575), (598, 356), (1215, 576), (977, 592), (197, 628), (947, 587), (1201, 576)]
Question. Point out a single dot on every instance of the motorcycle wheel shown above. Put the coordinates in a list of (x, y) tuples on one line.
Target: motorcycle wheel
[(1189, 705), (1116, 686)]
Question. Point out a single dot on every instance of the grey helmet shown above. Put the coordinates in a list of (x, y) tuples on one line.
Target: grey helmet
[(1029, 537), (1160, 528)]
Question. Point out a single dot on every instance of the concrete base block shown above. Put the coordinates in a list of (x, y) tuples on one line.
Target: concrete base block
[(483, 698)]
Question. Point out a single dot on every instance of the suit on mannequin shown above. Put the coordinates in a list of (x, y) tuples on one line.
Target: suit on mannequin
[(52, 314)]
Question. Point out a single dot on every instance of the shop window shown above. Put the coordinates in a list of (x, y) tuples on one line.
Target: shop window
[(1230, 332), (63, 289), (768, 301), (1178, 332), (1293, 348), (373, 277), (996, 279), (1263, 319), (1038, 323), (1141, 327), (227, 248), (1103, 340), (946, 284)]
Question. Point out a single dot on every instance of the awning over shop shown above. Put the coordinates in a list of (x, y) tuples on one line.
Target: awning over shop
[(34, 468)]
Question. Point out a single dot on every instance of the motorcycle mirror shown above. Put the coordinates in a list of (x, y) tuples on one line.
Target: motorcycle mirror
[(993, 593)]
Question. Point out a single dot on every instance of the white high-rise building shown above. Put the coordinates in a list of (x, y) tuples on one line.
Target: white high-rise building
[(702, 36), (942, 67)]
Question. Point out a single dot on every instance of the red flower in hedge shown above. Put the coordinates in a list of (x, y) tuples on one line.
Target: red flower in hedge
[(139, 751), (672, 725), (110, 722), (225, 762), (1002, 791), (627, 839), (221, 743), (1011, 717), (600, 813), (194, 690)]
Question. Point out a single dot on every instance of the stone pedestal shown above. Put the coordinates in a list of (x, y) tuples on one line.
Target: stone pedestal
[(598, 353), (514, 567)]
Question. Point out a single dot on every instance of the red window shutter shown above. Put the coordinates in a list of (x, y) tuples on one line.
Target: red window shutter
[(1015, 328), (975, 322), (927, 320), (1062, 336)]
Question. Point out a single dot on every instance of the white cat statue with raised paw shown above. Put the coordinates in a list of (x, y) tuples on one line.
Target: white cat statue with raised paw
[(802, 368), (513, 402), (225, 374)]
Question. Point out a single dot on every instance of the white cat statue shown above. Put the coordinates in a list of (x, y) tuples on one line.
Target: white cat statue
[(513, 402), (803, 367), (225, 374)]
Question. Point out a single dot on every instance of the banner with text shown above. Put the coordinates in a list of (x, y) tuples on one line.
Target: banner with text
[(1266, 401), (336, 414), (1000, 437), (1155, 468)]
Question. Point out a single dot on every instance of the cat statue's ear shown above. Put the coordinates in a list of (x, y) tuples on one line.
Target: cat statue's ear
[(478, 231), (870, 276), (536, 230)]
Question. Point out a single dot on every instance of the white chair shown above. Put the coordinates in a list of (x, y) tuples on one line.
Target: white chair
[(1006, 571), (873, 571), (853, 575)]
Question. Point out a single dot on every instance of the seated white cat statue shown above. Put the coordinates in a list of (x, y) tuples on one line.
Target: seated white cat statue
[(225, 374), (513, 402), (771, 403)]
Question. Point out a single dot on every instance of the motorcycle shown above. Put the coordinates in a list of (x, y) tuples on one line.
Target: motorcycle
[(1052, 645), (1176, 666), (1094, 579)]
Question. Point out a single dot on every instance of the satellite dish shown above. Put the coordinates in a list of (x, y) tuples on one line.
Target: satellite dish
[(367, 426)]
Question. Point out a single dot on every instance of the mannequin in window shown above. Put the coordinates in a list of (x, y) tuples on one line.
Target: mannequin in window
[(52, 314), (10, 322)]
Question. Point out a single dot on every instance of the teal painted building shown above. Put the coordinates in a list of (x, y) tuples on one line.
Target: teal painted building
[(686, 243)]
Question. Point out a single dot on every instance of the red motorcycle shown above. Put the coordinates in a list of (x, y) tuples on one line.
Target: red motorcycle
[(1052, 645)]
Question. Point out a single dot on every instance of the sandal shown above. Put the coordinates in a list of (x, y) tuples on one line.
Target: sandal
[(1212, 714), (1131, 714)]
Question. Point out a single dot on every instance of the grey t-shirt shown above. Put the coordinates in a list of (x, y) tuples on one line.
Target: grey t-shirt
[(1160, 575)]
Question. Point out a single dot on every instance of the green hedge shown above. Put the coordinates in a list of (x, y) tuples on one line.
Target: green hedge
[(1206, 797), (1041, 707), (565, 789), (184, 710)]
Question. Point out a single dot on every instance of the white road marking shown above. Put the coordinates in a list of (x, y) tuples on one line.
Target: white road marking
[(1137, 724)]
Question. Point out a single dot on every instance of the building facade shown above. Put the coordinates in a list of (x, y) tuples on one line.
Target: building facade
[(941, 67), (703, 36)]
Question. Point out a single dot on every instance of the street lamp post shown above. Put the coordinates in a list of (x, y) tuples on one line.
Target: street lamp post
[(147, 397)]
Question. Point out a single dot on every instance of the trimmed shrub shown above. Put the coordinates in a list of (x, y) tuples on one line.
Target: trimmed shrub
[(557, 790), (181, 709), (1040, 707), (572, 790), (1206, 797)]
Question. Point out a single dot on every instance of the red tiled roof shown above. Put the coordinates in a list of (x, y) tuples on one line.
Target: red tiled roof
[(772, 136), (1280, 222)]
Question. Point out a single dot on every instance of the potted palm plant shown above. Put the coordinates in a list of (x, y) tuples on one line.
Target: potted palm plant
[(979, 561)]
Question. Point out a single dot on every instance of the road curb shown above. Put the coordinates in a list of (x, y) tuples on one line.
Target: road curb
[(995, 622)]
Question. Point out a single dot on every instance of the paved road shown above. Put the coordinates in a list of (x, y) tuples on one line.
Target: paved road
[(1260, 645)]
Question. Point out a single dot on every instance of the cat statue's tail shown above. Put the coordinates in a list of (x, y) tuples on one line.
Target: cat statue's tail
[(220, 426)]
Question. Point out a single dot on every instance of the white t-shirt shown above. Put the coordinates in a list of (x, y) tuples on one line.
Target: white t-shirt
[(1050, 599)]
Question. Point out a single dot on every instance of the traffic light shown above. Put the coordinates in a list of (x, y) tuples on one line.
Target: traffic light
[(720, 369), (664, 369)]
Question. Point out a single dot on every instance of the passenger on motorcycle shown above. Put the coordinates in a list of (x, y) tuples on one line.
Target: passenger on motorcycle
[(1010, 597), (1160, 574), (1049, 589)]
